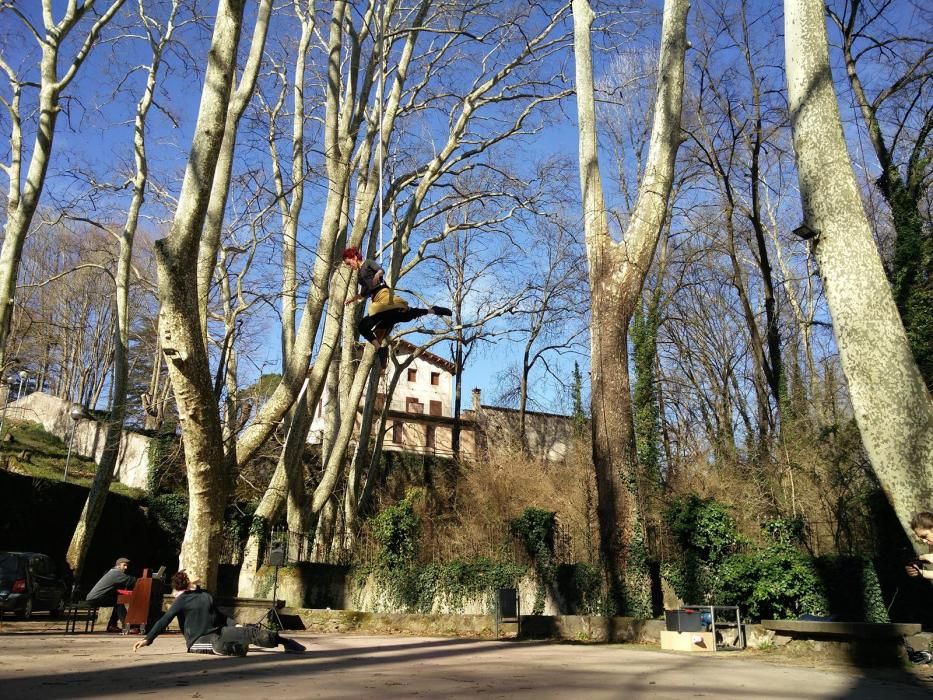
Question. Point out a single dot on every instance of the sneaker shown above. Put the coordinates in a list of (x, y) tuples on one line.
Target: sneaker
[(441, 311), (291, 645)]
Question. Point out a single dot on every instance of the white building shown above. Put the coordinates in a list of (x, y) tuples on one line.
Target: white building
[(420, 416)]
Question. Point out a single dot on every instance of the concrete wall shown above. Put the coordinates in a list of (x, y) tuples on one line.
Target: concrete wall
[(54, 416), (308, 585), (576, 628)]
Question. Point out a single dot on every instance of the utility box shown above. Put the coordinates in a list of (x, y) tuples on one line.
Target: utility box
[(723, 624), (688, 641), (687, 620)]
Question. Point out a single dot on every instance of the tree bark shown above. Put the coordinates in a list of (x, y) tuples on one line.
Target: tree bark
[(179, 320), (617, 272), (891, 403)]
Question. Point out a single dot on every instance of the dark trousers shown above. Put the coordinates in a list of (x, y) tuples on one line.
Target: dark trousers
[(119, 610), (385, 320), (235, 641)]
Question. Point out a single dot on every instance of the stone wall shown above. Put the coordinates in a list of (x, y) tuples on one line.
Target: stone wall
[(308, 585), (578, 628), (54, 415)]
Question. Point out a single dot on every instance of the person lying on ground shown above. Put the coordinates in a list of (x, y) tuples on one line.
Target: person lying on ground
[(922, 525), (386, 308), (206, 629), (104, 593)]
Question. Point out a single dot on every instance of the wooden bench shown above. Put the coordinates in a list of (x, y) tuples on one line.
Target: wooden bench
[(79, 610)]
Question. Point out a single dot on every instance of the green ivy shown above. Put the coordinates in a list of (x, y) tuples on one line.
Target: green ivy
[(535, 528), (776, 582), (169, 512), (397, 529), (159, 454), (581, 586), (785, 530), (413, 587), (853, 591), (703, 528)]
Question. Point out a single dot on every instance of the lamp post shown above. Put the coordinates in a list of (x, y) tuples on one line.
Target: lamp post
[(76, 413), (5, 392), (23, 374)]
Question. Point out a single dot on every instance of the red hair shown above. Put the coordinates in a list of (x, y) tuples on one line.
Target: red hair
[(351, 253)]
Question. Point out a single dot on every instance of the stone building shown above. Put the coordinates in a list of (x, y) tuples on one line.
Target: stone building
[(420, 416)]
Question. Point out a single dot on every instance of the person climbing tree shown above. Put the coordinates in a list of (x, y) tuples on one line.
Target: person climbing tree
[(386, 308)]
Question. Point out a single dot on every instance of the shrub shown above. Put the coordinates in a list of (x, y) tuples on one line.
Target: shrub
[(773, 582), (535, 528), (703, 527), (397, 529)]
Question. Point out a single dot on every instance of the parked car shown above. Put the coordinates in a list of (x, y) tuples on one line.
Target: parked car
[(29, 582)]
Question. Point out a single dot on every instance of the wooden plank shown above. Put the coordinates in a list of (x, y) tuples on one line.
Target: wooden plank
[(842, 629)]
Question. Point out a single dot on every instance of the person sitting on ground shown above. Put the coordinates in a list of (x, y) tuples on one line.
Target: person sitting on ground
[(104, 593), (206, 629), (922, 525), (385, 308)]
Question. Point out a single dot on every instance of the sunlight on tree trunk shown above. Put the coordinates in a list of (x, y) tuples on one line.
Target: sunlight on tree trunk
[(891, 403), (617, 273), (179, 320)]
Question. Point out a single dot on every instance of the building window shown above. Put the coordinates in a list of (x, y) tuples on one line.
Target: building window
[(397, 431), (436, 409), (412, 374), (429, 437), (435, 378), (412, 405)]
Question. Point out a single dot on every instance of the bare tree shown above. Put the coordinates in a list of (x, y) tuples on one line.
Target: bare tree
[(23, 197), (179, 320), (158, 36), (616, 273)]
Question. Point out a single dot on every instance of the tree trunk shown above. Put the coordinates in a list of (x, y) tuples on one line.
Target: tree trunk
[(103, 477), (617, 273), (220, 188), (22, 203), (890, 400), (179, 320)]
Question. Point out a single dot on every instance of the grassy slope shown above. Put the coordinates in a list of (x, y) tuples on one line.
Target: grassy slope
[(34, 452)]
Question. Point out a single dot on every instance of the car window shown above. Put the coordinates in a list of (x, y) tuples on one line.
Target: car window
[(42, 566), (11, 565)]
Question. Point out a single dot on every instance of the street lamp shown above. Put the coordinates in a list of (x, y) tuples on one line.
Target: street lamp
[(5, 393), (23, 374), (76, 413)]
